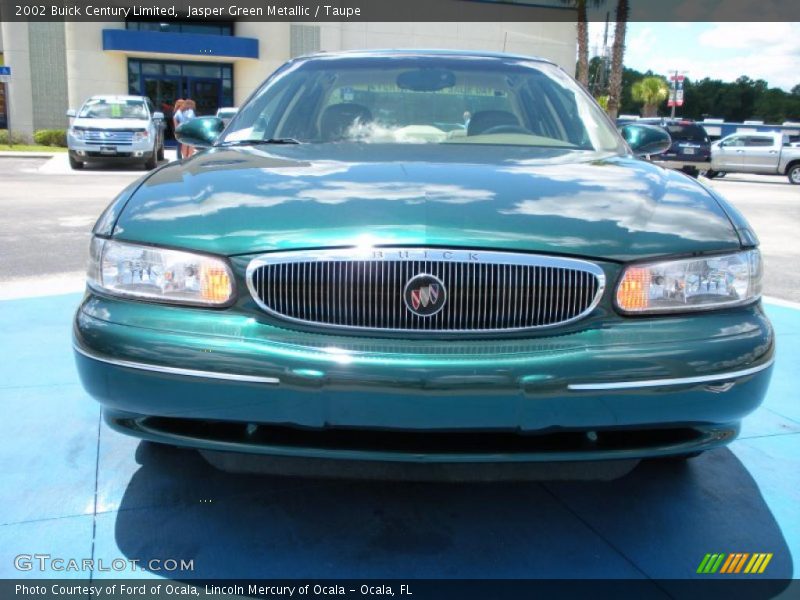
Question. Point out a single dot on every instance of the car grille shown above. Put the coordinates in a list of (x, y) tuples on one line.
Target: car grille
[(483, 291), (103, 137)]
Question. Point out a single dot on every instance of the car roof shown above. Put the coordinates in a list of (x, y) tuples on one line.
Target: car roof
[(669, 121), (422, 52), (114, 97)]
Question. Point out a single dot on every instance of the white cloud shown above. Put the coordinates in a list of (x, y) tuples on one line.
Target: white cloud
[(642, 43), (726, 51), (751, 35)]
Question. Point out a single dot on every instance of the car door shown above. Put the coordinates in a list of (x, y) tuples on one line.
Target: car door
[(728, 155), (761, 153)]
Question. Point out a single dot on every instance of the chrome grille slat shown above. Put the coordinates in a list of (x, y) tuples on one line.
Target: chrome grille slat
[(485, 291), (94, 137)]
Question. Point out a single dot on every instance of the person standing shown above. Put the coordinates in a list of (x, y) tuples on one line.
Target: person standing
[(177, 119), (187, 114)]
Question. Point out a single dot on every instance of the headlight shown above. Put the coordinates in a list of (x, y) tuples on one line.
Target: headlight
[(138, 136), (78, 134), (150, 273), (691, 284)]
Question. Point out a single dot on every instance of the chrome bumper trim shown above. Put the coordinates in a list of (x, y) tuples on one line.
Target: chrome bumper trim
[(176, 370), (648, 383)]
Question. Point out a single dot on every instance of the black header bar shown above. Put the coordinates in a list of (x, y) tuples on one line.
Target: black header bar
[(320, 11), (733, 588)]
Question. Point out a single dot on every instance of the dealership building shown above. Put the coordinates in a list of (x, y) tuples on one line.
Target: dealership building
[(56, 66)]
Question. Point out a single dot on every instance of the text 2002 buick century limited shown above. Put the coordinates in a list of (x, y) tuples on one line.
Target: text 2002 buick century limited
[(423, 259)]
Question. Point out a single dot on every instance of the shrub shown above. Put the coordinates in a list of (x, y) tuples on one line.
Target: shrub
[(51, 137), (14, 137)]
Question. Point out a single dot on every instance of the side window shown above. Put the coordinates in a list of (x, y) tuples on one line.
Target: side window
[(759, 141), (734, 142)]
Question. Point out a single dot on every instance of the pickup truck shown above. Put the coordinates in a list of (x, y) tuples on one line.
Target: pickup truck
[(761, 153)]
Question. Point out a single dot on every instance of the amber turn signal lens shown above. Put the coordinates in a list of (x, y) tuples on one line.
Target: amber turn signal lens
[(215, 285), (634, 289)]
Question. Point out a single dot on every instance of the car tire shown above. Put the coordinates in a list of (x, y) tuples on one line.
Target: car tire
[(794, 174), (711, 173), (151, 163), (160, 155), (721, 174), (75, 164), (691, 171)]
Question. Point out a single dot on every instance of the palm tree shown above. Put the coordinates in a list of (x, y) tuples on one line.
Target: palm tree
[(650, 91), (583, 45), (617, 54), (583, 37)]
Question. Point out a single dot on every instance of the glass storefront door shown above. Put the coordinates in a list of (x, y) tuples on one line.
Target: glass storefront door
[(210, 85), (206, 95), (163, 91)]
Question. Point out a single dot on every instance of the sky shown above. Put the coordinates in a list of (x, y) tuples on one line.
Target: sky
[(769, 51)]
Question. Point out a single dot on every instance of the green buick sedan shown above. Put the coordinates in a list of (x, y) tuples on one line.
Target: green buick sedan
[(423, 263)]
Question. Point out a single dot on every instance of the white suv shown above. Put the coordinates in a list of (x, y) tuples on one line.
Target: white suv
[(116, 128)]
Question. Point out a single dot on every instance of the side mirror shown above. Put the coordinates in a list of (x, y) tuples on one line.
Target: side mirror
[(201, 132), (646, 139), (158, 116), (72, 113)]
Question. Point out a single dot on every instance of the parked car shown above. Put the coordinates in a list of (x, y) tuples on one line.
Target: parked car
[(336, 294), (226, 114), (691, 148), (761, 153), (116, 128)]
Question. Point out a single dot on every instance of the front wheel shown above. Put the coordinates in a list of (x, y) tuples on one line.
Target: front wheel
[(75, 164), (160, 155), (794, 174), (151, 162), (711, 173)]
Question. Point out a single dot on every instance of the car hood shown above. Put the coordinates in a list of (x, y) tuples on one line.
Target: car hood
[(253, 199), (110, 123)]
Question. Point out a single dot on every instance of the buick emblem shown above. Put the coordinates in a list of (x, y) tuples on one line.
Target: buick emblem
[(425, 295)]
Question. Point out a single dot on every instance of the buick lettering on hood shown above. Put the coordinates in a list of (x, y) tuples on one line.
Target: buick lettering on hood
[(423, 264)]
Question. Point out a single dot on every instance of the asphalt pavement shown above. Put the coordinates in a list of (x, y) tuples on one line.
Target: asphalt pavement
[(772, 206), (46, 214)]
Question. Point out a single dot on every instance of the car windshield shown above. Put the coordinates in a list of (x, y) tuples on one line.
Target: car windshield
[(111, 108), (687, 133), (423, 100)]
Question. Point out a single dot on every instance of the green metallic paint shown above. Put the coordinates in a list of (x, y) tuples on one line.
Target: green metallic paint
[(240, 202), (233, 201), (201, 132), (401, 375), (646, 139), (402, 384)]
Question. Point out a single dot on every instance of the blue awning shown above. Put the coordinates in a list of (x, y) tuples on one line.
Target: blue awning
[(190, 44)]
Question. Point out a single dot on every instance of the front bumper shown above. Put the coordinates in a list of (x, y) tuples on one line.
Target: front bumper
[(136, 151), (219, 381), (700, 163)]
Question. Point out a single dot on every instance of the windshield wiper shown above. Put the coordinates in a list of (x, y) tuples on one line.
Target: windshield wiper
[(264, 141)]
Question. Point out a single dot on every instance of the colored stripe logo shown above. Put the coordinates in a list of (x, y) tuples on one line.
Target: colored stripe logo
[(737, 562)]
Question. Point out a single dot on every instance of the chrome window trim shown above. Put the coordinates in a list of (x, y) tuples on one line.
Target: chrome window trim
[(402, 254), (175, 370), (648, 383)]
